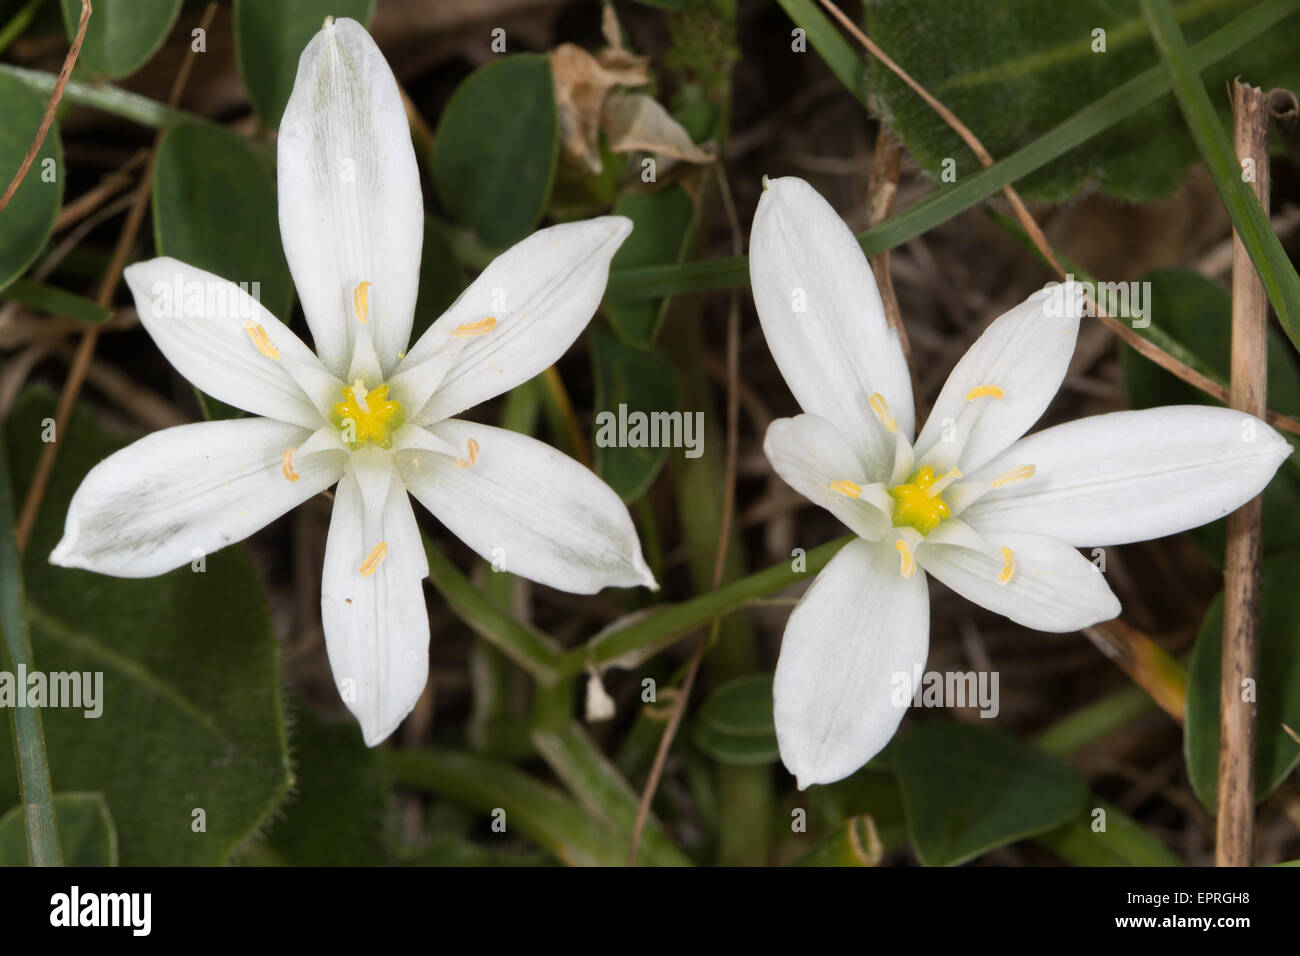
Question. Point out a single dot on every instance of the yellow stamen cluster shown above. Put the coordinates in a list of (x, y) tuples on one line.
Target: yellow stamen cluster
[(917, 502), (367, 416)]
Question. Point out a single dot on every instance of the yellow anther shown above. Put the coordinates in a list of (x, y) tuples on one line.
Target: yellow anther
[(1008, 566), (850, 489), (376, 555), (916, 503), (878, 406), (985, 391), (361, 301), (1014, 475), (286, 465), (261, 340), (473, 456), (368, 415), (481, 327), (907, 563)]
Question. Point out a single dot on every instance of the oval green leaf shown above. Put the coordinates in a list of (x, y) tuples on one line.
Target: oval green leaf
[(28, 220), (968, 788), (122, 34), (735, 723), (188, 745), (214, 206), (496, 148)]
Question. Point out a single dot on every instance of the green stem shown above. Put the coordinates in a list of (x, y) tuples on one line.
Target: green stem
[(642, 638), (110, 99), (29, 736)]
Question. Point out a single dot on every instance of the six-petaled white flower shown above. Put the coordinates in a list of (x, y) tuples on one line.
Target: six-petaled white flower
[(361, 412), (995, 516)]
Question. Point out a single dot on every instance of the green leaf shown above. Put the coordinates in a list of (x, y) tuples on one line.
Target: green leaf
[(1196, 313), (214, 207), (601, 789), (33, 786), (968, 788), (52, 300), (1249, 220), (496, 148), (1013, 70), (631, 380), (1277, 688), (441, 279), (190, 695), (735, 723), (122, 34), (1123, 842), (269, 39), (27, 222), (540, 812), (337, 814), (85, 829), (663, 223), (972, 188)]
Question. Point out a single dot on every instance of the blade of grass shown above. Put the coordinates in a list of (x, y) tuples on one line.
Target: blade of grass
[(29, 736), (652, 282), (527, 646), (601, 789), (1248, 218), (541, 812), (55, 301)]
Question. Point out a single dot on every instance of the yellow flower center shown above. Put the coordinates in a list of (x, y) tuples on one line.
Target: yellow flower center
[(367, 416), (917, 502)]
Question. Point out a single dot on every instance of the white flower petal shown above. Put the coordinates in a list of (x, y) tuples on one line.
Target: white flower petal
[(528, 509), (1025, 353), (376, 624), (814, 459), (852, 655), (185, 492), (351, 210), (1051, 587), (823, 319), (520, 315), (223, 340), (1131, 476)]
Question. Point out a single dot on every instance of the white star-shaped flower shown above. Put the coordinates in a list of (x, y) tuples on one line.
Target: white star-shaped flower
[(361, 412), (995, 516)]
